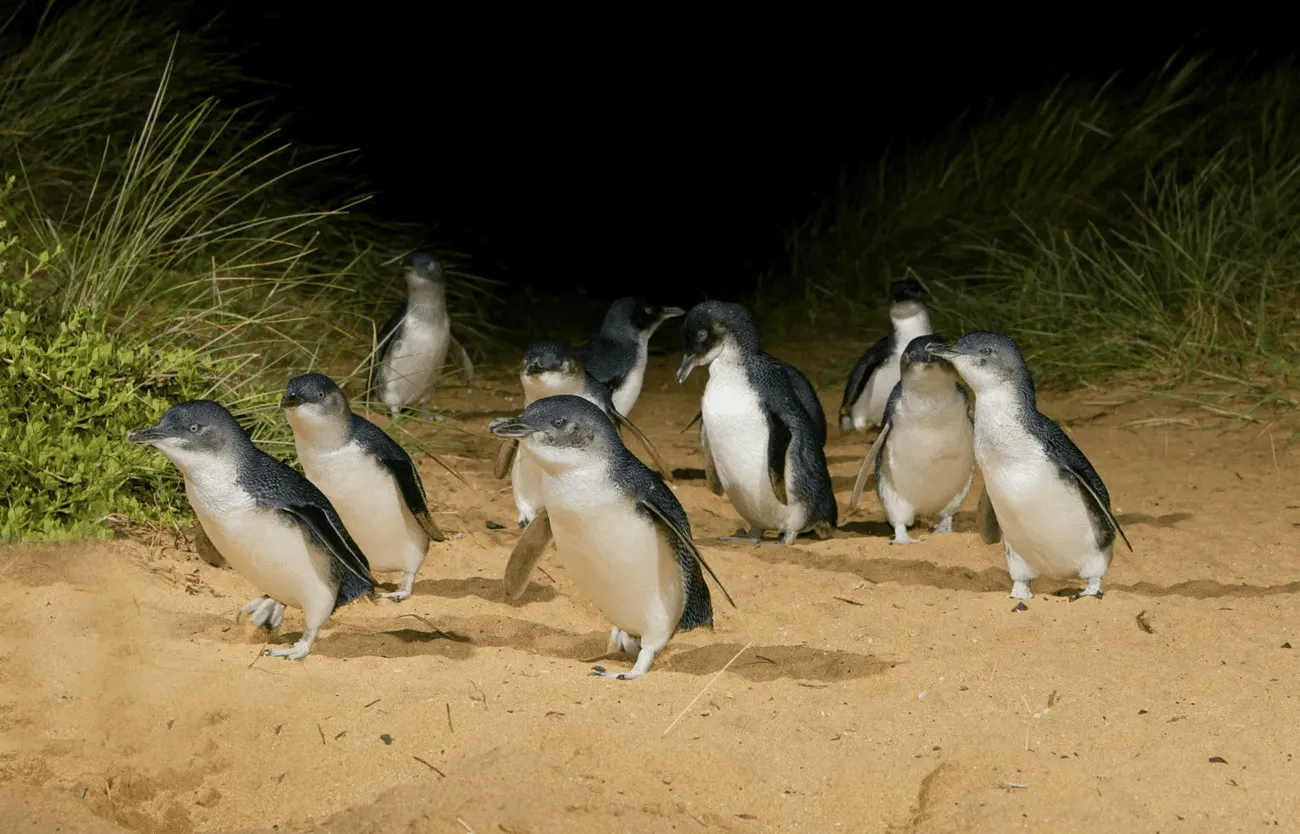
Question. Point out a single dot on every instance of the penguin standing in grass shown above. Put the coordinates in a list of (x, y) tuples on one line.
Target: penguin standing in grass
[(924, 457), (760, 444), (370, 480), (617, 356), (876, 374), (551, 368), (414, 342), (618, 529), (1041, 494), (270, 523)]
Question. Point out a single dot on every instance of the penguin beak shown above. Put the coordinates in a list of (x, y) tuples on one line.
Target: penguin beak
[(671, 313), (510, 427), (146, 437), (290, 401), (943, 351), (688, 365)]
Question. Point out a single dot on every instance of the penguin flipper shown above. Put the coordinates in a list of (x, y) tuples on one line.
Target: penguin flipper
[(402, 469), (868, 466), (1101, 505), (987, 520), (683, 540), (466, 364), (505, 458), (622, 422), (875, 356), (530, 547), (779, 437), (326, 529), (390, 332), (710, 471)]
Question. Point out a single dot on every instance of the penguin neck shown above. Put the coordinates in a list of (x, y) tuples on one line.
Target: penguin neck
[(1003, 402), (426, 300), (731, 357), (321, 436), (927, 388), (910, 321)]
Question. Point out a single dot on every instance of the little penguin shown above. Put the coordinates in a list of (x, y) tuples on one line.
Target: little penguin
[(369, 479), (550, 368), (876, 374), (1041, 494), (414, 342), (617, 355), (270, 523), (924, 457), (617, 527), (760, 445)]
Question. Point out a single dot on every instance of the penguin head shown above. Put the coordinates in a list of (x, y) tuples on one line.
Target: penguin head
[(709, 327), (985, 360), (193, 433), (561, 432), (918, 363), (425, 269), (907, 297), (551, 368), (638, 317), (312, 400)]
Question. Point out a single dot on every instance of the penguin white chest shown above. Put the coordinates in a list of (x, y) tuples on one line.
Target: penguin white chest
[(618, 558), (737, 428), (270, 551), (1042, 514), (929, 454), (870, 407), (414, 361), (626, 395), (370, 503)]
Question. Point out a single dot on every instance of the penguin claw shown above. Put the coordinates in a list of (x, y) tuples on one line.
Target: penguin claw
[(596, 672), (1083, 595), (1020, 606), (396, 596)]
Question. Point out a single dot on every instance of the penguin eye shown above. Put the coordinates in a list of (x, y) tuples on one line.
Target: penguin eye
[(703, 335), (559, 422), (320, 395), (987, 351), (194, 428)]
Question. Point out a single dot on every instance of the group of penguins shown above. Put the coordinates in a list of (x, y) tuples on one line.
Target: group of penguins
[(941, 408)]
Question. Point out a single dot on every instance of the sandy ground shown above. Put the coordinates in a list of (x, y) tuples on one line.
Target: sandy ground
[(883, 688)]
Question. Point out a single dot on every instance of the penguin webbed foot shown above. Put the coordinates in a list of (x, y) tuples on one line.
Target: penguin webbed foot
[(1093, 590), (264, 612), (1020, 590), (754, 537), (404, 590), (643, 661), (944, 526), (297, 651), (901, 536)]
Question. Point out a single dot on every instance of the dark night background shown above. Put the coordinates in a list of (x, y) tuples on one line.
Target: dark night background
[(602, 155)]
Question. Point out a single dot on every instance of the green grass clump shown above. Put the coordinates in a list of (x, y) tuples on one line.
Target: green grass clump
[(181, 251), (1145, 230)]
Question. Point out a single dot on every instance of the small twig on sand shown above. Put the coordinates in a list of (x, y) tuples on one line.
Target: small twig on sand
[(706, 687), (321, 730), (431, 767), (449, 727), (426, 621), (467, 825)]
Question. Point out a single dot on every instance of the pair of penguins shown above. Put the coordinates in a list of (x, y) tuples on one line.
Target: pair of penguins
[(311, 543)]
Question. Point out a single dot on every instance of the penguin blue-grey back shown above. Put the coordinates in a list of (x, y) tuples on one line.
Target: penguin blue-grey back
[(923, 458), (271, 524), (757, 436), (617, 355), (1042, 495), (370, 479), (874, 376), (617, 528)]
